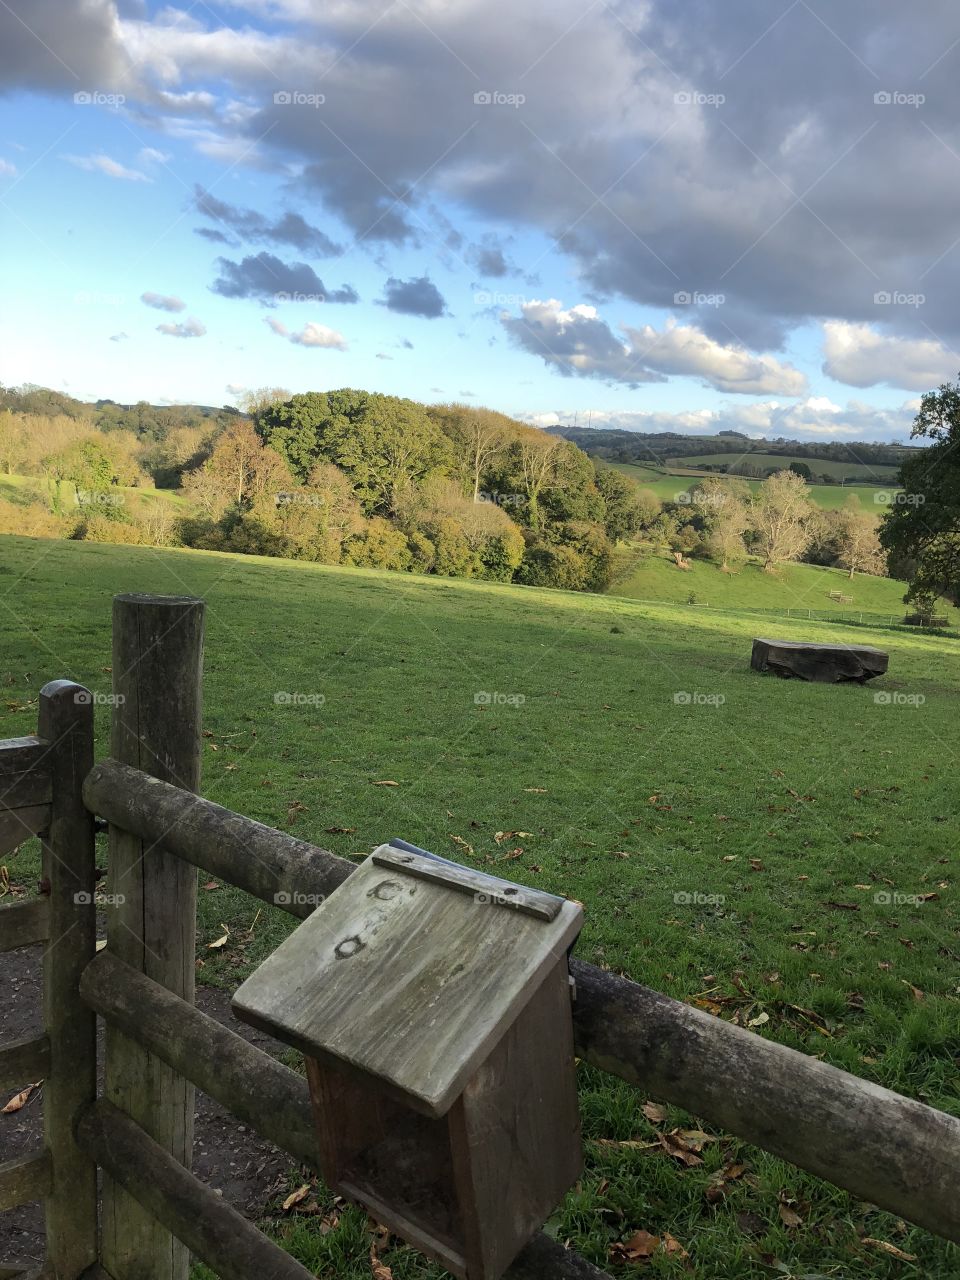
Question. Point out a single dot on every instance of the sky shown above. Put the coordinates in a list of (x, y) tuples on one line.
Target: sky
[(648, 215)]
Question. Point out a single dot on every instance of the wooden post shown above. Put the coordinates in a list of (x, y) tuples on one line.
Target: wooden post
[(157, 658), (66, 724)]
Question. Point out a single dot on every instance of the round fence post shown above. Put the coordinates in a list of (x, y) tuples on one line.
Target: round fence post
[(157, 661), (66, 727)]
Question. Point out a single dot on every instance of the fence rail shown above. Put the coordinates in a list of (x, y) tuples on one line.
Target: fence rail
[(895, 1152)]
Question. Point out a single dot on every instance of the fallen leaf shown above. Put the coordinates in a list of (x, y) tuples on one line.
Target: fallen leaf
[(915, 991), (759, 1020), (655, 1112), (387, 782), (538, 791), (892, 1249), (211, 884), (459, 840), (340, 831), (640, 1245), (789, 1217), (296, 1197), (379, 1269), (101, 943), (20, 1100), (672, 1246), (219, 942)]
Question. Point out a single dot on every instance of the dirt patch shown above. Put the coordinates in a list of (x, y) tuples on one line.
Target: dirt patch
[(227, 1155)]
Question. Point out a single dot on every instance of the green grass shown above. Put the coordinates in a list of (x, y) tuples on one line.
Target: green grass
[(667, 485), (783, 799), (878, 474), (796, 587), (36, 489)]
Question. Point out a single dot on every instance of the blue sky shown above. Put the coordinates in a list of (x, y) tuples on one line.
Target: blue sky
[(638, 215)]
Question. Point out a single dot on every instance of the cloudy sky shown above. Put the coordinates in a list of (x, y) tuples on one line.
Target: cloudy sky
[(647, 214)]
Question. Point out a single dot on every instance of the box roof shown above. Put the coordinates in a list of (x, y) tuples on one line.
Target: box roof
[(411, 971)]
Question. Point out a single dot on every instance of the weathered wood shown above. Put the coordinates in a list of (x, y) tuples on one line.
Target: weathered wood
[(887, 1149), (157, 655), (18, 1269), (272, 865), (20, 755), (24, 924), (486, 889), (24, 1179), (825, 663), (405, 980), (24, 1061), (18, 825), (69, 866), (250, 1083), (193, 1213)]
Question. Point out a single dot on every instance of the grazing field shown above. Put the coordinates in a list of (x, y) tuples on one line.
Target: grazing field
[(36, 489), (741, 848), (866, 472), (667, 486), (796, 587)]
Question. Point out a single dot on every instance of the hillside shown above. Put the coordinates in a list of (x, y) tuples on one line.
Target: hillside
[(667, 485)]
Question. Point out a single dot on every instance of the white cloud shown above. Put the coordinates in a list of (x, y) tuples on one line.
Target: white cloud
[(6, 168), (577, 342), (101, 163), (859, 355), (163, 301), (311, 335), (191, 328)]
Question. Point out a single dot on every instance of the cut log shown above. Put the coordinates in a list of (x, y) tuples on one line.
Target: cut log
[(827, 663)]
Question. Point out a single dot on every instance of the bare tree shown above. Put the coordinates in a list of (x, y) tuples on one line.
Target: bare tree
[(536, 458), (857, 542), (781, 518)]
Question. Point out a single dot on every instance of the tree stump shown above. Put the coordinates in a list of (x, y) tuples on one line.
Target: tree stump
[(826, 663)]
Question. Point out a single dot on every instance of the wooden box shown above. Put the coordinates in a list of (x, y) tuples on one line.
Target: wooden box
[(433, 1006)]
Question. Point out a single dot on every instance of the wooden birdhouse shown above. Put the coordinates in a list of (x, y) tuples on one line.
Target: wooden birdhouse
[(433, 1006)]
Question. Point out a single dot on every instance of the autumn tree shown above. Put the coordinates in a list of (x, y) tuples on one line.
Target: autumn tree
[(855, 537), (240, 470), (722, 506), (780, 518), (535, 457)]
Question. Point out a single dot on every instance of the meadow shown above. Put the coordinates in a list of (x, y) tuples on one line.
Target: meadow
[(668, 484), (875, 473), (800, 811)]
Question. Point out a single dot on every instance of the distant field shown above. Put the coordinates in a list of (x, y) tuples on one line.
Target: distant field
[(793, 586), (828, 496), (818, 466), (778, 799), (23, 489)]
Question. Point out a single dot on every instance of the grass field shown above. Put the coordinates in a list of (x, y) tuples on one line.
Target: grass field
[(795, 807), (778, 461), (30, 489), (829, 496), (794, 586)]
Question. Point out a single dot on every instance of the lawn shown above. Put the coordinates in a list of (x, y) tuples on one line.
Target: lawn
[(667, 485), (797, 587), (798, 809), (36, 489)]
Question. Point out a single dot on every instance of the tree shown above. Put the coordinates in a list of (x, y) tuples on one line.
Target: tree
[(625, 509), (13, 442), (722, 506), (255, 403), (240, 470), (802, 470), (854, 535), (780, 517), (923, 525), (535, 457)]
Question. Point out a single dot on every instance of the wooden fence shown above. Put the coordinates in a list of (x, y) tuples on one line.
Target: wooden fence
[(884, 1148)]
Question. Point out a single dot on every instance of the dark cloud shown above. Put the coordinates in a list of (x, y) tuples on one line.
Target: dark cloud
[(489, 259), (415, 297), (74, 49), (268, 278), (215, 236), (288, 229), (163, 301)]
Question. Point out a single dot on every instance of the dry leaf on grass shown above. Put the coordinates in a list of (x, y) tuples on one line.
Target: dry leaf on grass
[(220, 942), (655, 1112), (387, 782), (296, 1197), (892, 1249), (378, 1268)]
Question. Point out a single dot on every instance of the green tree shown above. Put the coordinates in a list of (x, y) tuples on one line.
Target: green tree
[(922, 527), (781, 517)]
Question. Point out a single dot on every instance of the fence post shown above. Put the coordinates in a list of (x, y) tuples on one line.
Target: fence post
[(157, 660), (66, 723)]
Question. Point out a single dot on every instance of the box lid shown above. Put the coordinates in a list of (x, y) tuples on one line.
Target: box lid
[(411, 971)]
